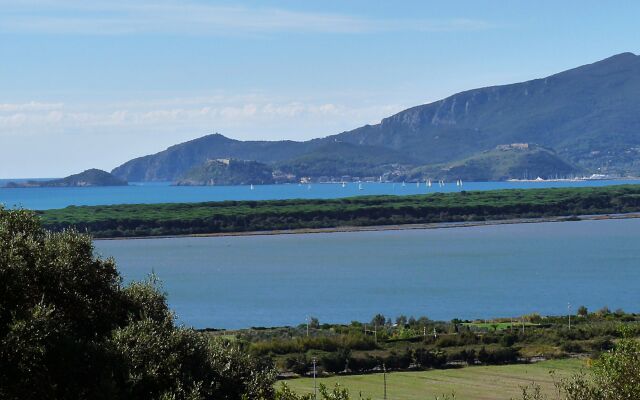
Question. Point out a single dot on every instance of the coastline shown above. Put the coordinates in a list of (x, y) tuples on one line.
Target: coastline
[(381, 228)]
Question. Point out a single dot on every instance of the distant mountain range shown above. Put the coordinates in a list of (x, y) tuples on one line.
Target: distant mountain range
[(90, 177), (584, 120)]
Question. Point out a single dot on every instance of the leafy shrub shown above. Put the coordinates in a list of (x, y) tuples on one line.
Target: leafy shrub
[(70, 330)]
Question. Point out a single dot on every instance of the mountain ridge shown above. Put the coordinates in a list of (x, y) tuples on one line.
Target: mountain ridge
[(589, 116)]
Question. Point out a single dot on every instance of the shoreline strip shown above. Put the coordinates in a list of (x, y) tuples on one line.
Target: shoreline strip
[(381, 228)]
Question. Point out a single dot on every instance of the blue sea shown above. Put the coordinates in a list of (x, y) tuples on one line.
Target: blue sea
[(470, 272), (163, 192)]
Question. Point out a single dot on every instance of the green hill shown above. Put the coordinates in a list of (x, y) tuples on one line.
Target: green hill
[(90, 177), (514, 161), (337, 159), (227, 172)]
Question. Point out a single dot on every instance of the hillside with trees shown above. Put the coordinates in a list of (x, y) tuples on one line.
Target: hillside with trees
[(69, 329), (227, 172), (588, 117)]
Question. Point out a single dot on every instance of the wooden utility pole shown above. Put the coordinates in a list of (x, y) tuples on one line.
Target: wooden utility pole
[(384, 377), (315, 388)]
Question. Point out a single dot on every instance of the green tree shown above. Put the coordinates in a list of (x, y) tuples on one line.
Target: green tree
[(401, 320), (615, 376), (378, 320), (69, 329), (337, 393), (582, 311)]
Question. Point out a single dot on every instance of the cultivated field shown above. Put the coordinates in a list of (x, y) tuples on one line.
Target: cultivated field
[(471, 383)]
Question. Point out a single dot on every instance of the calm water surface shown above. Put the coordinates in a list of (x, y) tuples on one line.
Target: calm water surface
[(163, 192), (478, 272)]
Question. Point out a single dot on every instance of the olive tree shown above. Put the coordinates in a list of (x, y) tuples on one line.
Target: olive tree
[(69, 329)]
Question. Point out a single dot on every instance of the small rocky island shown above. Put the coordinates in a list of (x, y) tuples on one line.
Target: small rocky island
[(226, 171), (88, 178)]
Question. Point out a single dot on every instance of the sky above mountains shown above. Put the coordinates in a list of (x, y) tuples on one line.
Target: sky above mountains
[(94, 83)]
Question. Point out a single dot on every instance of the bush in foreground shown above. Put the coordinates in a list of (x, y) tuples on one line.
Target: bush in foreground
[(69, 329), (615, 376)]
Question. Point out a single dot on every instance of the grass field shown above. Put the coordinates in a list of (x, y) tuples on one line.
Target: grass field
[(471, 383)]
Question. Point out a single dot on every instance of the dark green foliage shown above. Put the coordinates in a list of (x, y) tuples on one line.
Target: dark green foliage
[(400, 360), (498, 356), (413, 346), (227, 172), (582, 311), (242, 216), (322, 343), (298, 363), (430, 358), (336, 362), (70, 330), (337, 393), (615, 376)]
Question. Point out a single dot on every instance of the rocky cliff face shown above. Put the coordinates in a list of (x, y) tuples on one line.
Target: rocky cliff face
[(588, 116)]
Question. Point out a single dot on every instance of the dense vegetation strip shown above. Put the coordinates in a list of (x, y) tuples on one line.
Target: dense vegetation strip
[(243, 216), (409, 343)]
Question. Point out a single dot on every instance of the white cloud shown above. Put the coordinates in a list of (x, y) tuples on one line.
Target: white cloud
[(30, 106), (249, 117), (198, 18), (39, 140)]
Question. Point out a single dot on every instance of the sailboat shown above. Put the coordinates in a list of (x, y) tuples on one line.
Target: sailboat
[(458, 182), (344, 184), (429, 183), (403, 185), (252, 186), (418, 184), (360, 186)]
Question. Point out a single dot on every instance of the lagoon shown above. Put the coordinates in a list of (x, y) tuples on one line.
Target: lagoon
[(163, 192), (470, 272)]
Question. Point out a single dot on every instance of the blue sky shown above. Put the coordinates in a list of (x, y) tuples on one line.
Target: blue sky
[(94, 83)]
